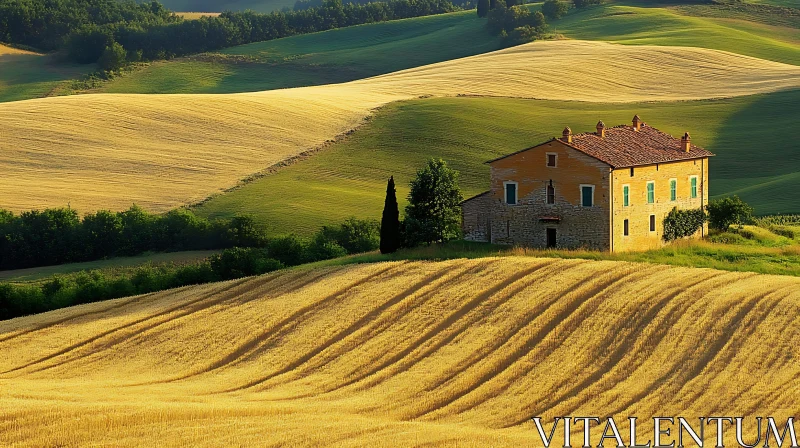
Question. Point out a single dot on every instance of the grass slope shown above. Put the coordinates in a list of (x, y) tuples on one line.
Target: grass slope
[(676, 26), (468, 131), (24, 74), (106, 151), (460, 352), (321, 58)]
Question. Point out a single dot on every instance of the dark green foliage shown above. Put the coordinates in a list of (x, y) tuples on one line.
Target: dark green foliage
[(517, 20), (433, 213), (113, 58), (242, 262), (554, 9), (682, 223), (352, 236), (728, 211), (483, 8), (390, 222), (585, 3), (56, 236), (510, 3), (113, 32)]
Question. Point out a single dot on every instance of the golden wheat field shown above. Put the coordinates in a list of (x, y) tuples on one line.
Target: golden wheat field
[(400, 354), (160, 151), (4, 49)]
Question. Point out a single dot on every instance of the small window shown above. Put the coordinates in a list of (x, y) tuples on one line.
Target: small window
[(652, 223), (587, 195), (625, 228), (551, 194), (551, 159), (651, 192), (511, 193), (626, 195), (673, 189), (693, 182), (631, 171)]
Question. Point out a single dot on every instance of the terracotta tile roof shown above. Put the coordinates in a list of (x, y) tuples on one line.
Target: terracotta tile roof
[(623, 146)]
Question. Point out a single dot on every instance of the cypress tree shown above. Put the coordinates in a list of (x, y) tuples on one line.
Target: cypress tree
[(390, 223)]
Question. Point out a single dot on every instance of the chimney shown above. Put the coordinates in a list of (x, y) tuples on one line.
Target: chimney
[(686, 142), (637, 123), (601, 129), (566, 135)]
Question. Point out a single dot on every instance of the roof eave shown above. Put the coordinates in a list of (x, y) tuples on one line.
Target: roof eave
[(520, 151)]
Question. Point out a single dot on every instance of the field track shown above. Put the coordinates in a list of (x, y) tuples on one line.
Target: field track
[(402, 353), (161, 151)]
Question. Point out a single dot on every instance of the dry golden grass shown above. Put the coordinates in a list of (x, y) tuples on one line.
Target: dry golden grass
[(402, 353), (4, 49), (161, 151)]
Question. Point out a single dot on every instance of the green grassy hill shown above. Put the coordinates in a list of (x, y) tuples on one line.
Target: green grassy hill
[(25, 75), (321, 58), (374, 49), (756, 157), (716, 27)]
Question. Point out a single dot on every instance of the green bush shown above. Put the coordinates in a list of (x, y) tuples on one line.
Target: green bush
[(554, 9), (242, 262), (113, 58), (683, 223), (728, 238), (722, 213)]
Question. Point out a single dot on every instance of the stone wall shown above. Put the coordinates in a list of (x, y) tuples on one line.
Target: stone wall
[(523, 223), (475, 218)]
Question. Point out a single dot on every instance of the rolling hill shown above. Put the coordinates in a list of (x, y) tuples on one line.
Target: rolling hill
[(402, 353), (469, 131), (368, 50), (106, 151), (26, 74)]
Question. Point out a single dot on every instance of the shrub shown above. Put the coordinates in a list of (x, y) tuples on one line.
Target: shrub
[(683, 223), (554, 9), (507, 20), (113, 58), (242, 262), (434, 204), (728, 211)]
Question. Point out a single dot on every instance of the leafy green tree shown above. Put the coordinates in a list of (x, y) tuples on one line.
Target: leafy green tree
[(433, 213), (683, 223), (483, 8), (102, 232), (554, 9), (113, 58), (728, 211), (243, 231), (390, 222)]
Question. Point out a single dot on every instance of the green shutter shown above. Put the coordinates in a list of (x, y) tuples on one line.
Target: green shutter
[(626, 196), (694, 187), (651, 193), (673, 190)]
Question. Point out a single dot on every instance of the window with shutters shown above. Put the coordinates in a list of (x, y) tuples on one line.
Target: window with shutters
[(673, 189), (626, 195), (693, 183), (651, 192)]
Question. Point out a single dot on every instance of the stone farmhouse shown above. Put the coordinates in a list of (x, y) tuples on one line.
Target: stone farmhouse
[(607, 190)]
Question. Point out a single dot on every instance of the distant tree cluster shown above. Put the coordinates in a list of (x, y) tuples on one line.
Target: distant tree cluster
[(56, 236), (433, 213), (554, 9), (105, 30), (516, 24)]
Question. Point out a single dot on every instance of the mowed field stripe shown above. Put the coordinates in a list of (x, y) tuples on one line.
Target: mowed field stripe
[(430, 352)]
